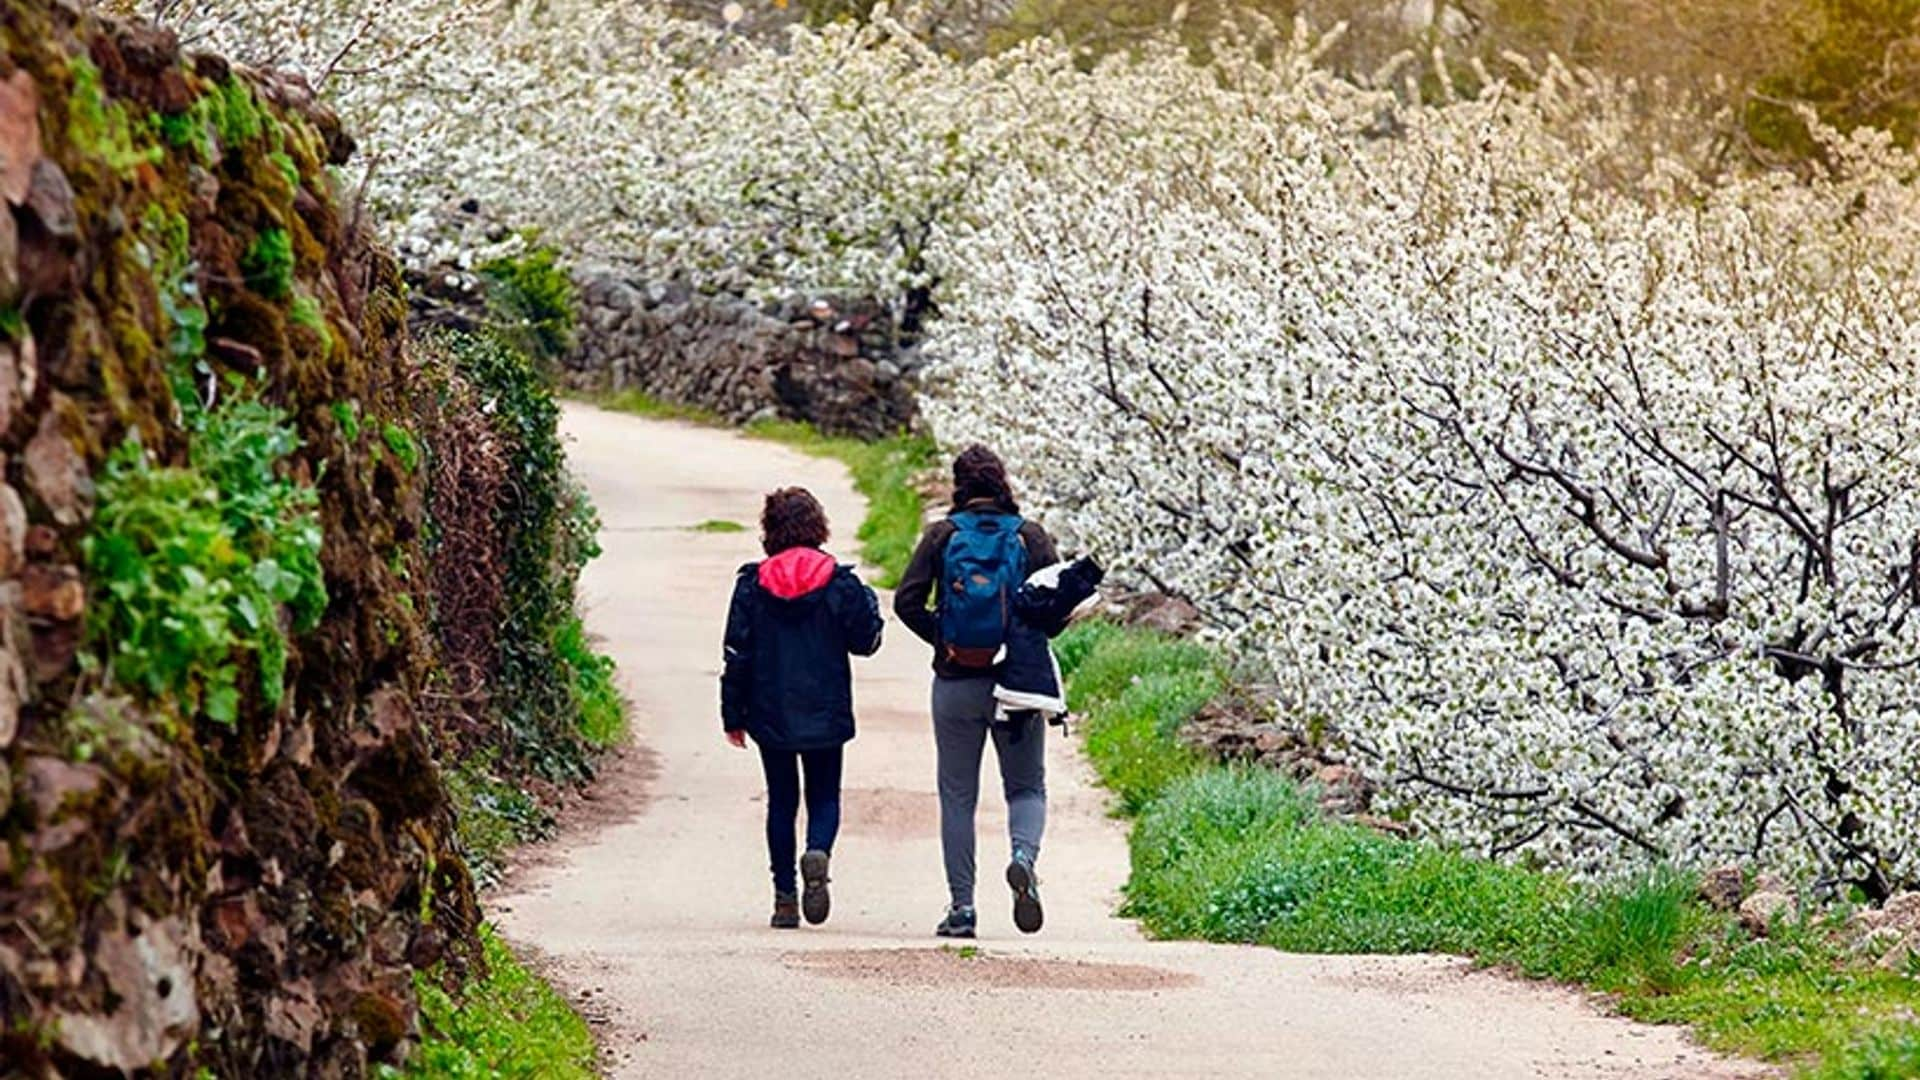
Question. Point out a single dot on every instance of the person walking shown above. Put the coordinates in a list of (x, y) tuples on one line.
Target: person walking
[(794, 621), (957, 596)]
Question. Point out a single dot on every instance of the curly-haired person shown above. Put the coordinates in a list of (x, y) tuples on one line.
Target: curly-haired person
[(787, 684)]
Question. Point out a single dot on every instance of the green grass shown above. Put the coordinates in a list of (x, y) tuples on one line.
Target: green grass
[(601, 708), (640, 404), (1228, 853), (883, 472), (509, 1025), (717, 526)]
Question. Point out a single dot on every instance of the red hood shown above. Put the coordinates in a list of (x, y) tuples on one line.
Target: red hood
[(796, 572)]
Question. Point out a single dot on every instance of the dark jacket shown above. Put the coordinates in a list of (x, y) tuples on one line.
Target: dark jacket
[(912, 600), (1028, 679), (794, 621)]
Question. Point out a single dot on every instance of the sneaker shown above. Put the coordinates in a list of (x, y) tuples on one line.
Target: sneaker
[(959, 923), (815, 901), (786, 912), (1027, 914)]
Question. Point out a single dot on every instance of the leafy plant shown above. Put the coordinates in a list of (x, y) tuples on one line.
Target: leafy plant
[(192, 565), (601, 709), (491, 815), (549, 526), (165, 571), (533, 298)]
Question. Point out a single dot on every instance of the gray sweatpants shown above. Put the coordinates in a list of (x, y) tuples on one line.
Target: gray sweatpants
[(962, 720)]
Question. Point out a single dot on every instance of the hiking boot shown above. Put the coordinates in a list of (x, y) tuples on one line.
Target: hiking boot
[(1027, 914), (786, 912), (815, 901), (959, 923)]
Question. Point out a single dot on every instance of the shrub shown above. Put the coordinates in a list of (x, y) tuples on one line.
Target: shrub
[(550, 691), (532, 297)]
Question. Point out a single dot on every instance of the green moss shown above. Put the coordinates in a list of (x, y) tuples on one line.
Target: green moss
[(268, 264), (188, 131), (101, 128), (234, 113), (347, 415), (401, 442), (169, 239), (307, 314), (281, 161)]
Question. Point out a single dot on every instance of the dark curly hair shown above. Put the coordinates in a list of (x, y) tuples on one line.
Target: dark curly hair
[(792, 518), (978, 473)]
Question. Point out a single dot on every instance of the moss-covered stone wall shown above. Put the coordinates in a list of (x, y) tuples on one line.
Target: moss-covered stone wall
[(224, 863)]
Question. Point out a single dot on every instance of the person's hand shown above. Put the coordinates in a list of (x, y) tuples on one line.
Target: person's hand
[(738, 739)]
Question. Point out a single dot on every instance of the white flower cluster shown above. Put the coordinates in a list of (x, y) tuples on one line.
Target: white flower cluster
[(1579, 489)]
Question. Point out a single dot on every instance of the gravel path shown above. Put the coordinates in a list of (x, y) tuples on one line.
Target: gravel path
[(655, 922)]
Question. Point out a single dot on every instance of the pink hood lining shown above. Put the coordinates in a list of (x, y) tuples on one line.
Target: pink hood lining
[(796, 572)]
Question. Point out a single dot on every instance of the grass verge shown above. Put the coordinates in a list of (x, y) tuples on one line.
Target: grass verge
[(883, 472), (1237, 854), (509, 1025)]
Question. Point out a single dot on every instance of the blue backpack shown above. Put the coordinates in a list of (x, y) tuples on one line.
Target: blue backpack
[(986, 563)]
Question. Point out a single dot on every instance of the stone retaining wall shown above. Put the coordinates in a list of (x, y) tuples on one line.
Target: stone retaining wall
[(836, 364)]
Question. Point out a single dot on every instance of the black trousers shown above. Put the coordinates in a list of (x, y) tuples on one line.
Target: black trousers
[(783, 769)]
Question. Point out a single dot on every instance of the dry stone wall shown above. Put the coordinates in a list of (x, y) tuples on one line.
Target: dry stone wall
[(250, 895), (837, 364)]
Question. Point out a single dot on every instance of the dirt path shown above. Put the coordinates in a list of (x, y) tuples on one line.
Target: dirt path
[(656, 925)]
